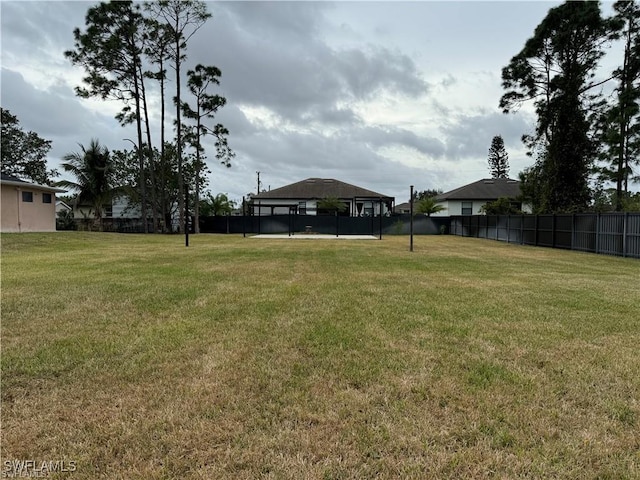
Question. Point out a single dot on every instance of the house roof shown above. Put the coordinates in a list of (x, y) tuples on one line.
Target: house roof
[(317, 188), (485, 189), (402, 206), (16, 182)]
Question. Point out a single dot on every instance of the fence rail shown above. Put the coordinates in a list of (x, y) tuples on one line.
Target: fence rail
[(607, 233), (326, 224)]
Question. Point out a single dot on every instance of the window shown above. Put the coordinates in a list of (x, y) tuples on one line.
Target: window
[(46, 198), (108, 211), (467, 208), (302, 208), (27, 197)]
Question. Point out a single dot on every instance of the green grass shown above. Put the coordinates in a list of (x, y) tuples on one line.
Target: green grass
[(136, 357)]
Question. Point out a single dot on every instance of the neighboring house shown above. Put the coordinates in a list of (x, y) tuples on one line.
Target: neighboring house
[(403, 208), (469, 199), (118, 208), (27, 207), (63, 207), (303, 197)]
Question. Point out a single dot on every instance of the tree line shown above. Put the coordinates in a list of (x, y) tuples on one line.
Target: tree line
[(587, 131), (127, 50)]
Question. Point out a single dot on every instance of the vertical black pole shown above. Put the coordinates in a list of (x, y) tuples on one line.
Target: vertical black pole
[(411, 220), (337, 228), (597, 233), (380, 237), (625, 222), (186, 215), (244, 218), (373, 214)]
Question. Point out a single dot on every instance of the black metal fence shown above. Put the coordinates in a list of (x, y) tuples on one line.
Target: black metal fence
[(608, 233), (324, 224)]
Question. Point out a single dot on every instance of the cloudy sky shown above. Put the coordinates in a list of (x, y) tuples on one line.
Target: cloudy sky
[(383, 95)]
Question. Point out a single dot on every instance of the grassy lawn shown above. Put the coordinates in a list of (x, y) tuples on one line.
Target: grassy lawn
[(137, 358)]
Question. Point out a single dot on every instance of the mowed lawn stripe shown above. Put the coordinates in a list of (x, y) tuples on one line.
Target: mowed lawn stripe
[(247, 358)]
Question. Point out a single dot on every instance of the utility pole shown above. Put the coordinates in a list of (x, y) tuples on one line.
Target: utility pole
[(258, 190)]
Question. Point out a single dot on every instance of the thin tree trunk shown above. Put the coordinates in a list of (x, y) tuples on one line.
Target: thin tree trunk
[(163, 160), (152, 167), (196, 206), (136, 93), (179, 137)]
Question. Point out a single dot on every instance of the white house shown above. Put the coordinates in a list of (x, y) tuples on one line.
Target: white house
[(469, 199)]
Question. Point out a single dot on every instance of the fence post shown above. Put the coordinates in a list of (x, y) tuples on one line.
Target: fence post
[(380, 238), (244, 215), (522, 229), (597, 233), (624, 233), (186, 216), (536, 227), (411, 219)]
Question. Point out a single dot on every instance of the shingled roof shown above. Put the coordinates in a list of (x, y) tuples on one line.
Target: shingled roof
[(17, 182), (485, 189), (10, 178), (317, 188)]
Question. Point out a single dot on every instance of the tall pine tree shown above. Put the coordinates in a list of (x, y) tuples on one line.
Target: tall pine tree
[(498, 158), (555, 71), (621, 119)]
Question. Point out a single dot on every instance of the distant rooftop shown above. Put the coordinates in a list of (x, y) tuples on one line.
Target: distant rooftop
[(485, 189)]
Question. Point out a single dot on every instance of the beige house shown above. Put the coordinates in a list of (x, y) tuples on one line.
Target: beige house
[(27, 207)]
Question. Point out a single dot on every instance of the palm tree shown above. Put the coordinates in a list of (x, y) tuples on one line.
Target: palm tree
[(216, 206), (93, 171), (331, 204), (429, 205)]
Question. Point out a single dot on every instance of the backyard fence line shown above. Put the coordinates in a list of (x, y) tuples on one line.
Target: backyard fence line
[(323, 224), (607, 233)]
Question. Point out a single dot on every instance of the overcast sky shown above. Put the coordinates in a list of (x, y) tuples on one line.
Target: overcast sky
[(382, 95)]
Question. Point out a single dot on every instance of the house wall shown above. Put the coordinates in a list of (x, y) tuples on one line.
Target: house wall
[(454, 207), (119, 209), (20, 216)]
